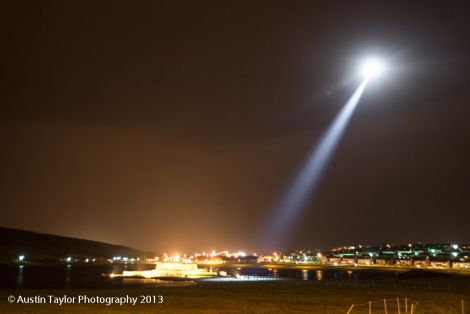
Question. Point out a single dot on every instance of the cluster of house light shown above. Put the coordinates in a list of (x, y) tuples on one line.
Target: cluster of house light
[(365, 255), (410, 255)]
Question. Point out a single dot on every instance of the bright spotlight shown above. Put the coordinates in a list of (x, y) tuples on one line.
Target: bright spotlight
[(372, 68)]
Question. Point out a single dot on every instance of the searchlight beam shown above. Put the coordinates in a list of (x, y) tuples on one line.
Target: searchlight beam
[(305, 183)]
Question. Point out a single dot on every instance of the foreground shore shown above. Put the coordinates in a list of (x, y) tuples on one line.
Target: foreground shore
[(435, 295)]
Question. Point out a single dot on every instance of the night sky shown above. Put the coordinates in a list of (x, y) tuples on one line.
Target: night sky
[(178, 125)]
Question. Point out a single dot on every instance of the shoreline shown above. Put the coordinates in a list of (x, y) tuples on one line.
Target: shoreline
[(291, 266)]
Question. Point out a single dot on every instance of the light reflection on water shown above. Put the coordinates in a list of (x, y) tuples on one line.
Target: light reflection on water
[(319, 275), (87, 276), (20, 277), (275, 273), (242, 278), (67, 276), (158, 282)]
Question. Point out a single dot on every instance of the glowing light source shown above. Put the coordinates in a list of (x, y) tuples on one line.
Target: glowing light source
[(21, 258), (372, 68), (304, 184)]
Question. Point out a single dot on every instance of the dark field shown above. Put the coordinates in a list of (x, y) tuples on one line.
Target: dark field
[(434, 295)]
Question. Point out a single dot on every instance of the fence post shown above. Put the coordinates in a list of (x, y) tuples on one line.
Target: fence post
[(370, 307), (463, 309), (350, 309), (411, 310), (406, 305), (398, 305), (385, 306)]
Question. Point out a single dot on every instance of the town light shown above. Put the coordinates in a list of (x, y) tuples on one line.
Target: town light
[(21, 258)]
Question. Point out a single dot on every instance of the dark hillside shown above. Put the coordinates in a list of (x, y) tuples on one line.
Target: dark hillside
[(48, 247)]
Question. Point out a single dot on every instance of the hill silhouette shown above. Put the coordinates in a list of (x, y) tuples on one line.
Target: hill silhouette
[(50, 248)]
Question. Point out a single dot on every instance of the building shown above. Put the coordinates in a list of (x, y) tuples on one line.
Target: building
[(461, 265), (365, 261)]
